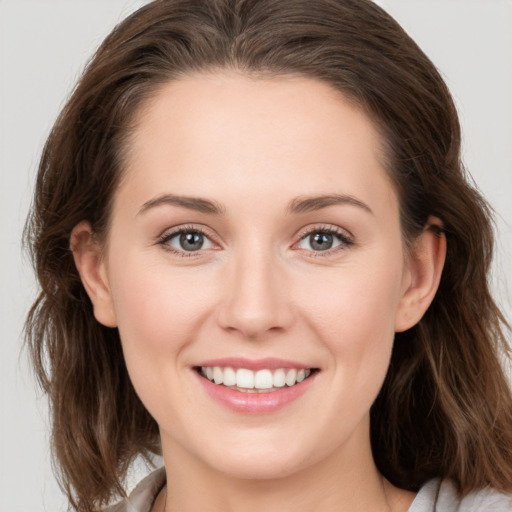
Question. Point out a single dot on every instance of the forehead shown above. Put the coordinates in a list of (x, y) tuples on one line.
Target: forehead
[(225, 133)]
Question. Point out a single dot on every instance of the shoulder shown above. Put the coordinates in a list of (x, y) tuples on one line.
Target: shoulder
[(475, 501), (441, 496), (142, 497)]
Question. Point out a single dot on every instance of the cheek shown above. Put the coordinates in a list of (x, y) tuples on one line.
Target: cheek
[(354, 316), (158, 312), (355, 302), (155, 307)]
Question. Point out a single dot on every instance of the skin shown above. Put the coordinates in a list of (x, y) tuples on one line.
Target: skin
[(259, 289)]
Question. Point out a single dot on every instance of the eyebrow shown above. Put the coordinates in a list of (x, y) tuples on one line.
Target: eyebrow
[(313, 203), (191, 203), (301, 204)]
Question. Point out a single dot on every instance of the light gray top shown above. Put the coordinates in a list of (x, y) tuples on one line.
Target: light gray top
[(434, 496)]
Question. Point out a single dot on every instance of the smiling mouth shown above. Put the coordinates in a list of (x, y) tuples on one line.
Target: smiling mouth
[(260, 381)]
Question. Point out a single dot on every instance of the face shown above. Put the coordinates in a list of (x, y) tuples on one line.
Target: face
[(255, 241)]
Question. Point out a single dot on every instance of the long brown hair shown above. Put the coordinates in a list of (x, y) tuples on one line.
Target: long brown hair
[(445, 409)]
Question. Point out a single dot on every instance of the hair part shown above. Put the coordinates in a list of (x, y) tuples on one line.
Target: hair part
[(445, 409)]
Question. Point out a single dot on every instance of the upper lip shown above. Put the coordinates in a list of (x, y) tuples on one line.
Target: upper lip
[(269, 363)]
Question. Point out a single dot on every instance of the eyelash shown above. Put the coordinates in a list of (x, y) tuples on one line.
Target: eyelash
[(166, 237), (346, 240)]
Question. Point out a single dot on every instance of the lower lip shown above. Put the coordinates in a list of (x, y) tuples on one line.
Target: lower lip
[(255, 403)]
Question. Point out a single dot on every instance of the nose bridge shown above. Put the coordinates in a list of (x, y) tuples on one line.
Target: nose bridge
[(257, 300)]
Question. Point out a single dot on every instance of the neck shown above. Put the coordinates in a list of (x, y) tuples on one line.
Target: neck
[(345, 480)]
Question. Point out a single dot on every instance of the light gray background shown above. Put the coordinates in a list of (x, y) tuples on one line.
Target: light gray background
[(44, 44)]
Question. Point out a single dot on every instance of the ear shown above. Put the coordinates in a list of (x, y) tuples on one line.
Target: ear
[(425, 265), (89, 261)]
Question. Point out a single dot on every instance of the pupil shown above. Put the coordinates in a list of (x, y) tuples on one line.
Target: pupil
[(321, 241), (191, 241)]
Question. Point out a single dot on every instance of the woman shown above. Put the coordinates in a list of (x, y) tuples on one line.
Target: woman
[(278, 271)]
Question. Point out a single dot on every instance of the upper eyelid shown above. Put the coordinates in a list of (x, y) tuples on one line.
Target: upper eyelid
[(170, 232), (328, 228)]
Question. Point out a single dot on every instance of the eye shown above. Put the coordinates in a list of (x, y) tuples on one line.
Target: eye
[(186, 240), (324, 239)]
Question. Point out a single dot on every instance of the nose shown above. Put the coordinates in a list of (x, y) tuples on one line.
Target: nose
[(256, 301)]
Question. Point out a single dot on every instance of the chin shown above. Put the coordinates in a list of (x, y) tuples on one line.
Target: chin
[(249, 469), (259, 460)]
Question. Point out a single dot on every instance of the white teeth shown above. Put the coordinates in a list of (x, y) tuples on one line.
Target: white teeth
[(218, 375), (244, 378), (291, 377), (229, 377), (261, 379), (279, 378)]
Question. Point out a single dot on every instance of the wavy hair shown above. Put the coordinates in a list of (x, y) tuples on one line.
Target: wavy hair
[(445, 409)]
